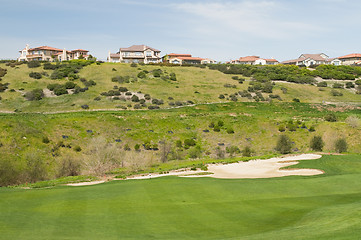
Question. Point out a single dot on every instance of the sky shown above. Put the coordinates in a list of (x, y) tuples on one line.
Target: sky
[(221, 30)]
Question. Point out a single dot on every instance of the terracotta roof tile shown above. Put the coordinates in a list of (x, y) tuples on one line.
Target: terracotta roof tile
[(352, 55)]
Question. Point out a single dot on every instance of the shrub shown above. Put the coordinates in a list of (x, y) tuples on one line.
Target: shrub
[(45, 140), (247, 152), (189, 142), (134, 65), (51, 87), (350, 85), (220, 123), (233, 150), (128, 93), (90, 83), (336, 93), (281, 128), (77, 148), (337, 85), (84, 106), (230, 130), (296, 100), (135, 98), (147, 96), (60, 90), (316, 143), (142, 75), (69, 85), (195, 152), (284, 144), (341, 145), (312, 129), (35, 75), (34, 95), (157, 73), (235, 77), (358, 82), (229, 85), (331, 117), (221, 96), (322, 84), (33, 64), (173, 77), (216, 128), (126, 147), (97, 98), (137, 147), (353, 121)]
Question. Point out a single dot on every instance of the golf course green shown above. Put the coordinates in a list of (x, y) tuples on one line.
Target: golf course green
[(325, 206)]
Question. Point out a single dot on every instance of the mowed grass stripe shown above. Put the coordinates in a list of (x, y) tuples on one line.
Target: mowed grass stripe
[(318, 207)]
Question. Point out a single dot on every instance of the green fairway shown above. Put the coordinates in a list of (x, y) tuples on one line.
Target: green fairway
[(319, 207)]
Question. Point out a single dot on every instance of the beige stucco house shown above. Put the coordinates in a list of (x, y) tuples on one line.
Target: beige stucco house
[(350, 59), (46, 53), (309, 59), (135, 54), (176, 58), (255, 60)]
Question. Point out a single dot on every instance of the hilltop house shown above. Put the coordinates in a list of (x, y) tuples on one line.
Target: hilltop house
[(254, 60), (311, 59), (176, 58), (46, 53), (135, 54), (350, 59)]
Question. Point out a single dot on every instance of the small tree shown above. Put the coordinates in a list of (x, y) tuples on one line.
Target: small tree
[(284, 144), (341, 145), (34, 95), (316, 143)]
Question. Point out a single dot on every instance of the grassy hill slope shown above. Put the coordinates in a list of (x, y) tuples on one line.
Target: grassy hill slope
[(197, 85)]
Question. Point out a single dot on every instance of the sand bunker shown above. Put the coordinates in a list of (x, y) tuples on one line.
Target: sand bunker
[(263, 168), (268, 168), (84, 183), (253, 169)]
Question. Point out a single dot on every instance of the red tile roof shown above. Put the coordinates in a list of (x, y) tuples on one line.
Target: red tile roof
[(179, 55), (248, 59), (191, 58), (79, 50), (352, 55), (271, 60), (45, 48)]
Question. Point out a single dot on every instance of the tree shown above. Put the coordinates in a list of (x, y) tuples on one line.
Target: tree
[(316, 143), (284, 144), (165, 150), (341, 145)]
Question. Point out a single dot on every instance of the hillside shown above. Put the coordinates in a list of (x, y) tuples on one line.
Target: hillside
[(192, 85), (52, 136)]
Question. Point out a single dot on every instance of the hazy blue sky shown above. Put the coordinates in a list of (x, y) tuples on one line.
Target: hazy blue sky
[(221, 30)]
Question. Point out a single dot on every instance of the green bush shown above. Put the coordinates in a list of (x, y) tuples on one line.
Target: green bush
[(35, 75), (341, 145), (137, 147), (142, 75), (135, 98), (60, 90), (34, 95), (230, 130), (337, 85), (134, 65), (284, 144), (69, 85), (173, 77), (77, 148), (350, 85), (195, 152), (322, 84), (281, 128), (45, 140), (316, 143), (33, 64), (336, 93), (189, 142), (331, 117), (216, 128)]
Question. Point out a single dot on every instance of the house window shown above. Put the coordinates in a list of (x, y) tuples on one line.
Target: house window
[(138, 54), (149, 53)]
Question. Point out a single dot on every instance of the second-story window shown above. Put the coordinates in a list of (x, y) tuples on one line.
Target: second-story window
[(138, 54), (149, 53)]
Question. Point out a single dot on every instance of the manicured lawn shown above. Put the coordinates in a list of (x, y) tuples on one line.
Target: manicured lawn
[(318, 207)]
